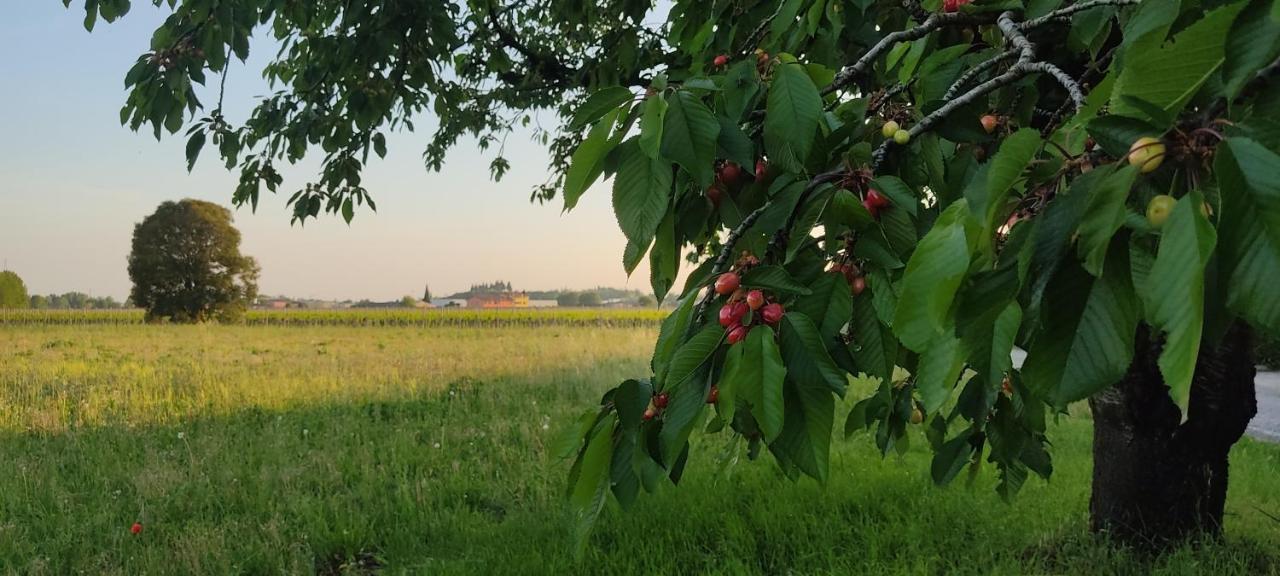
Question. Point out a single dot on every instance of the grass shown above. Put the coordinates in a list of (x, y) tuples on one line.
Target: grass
[(267, 450)]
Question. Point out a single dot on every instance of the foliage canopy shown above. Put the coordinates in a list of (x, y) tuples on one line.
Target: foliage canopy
[(186, 264)]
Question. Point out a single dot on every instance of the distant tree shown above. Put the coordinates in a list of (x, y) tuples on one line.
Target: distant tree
[(58, 302), (13, 292), (646, 301), (39, 302), (426, 294), (567, 299), (408, 302), (590, 300), (77, 300), (186, 264)]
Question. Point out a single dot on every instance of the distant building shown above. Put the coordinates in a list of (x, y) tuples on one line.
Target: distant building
[(499, 300), (276, 303)]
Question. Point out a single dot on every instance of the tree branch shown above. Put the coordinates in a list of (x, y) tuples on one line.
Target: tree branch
[(973, 73), (722, 262), (1071, 10), (935, 21)]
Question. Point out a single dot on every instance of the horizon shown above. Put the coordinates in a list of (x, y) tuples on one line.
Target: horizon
[(66, 225)]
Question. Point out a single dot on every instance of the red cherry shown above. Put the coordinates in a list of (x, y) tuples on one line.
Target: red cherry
[(738, 334), (762, 168), (661, 400), (721, 60), (727, 283), (755, 299), (740, 310), (714, 395), (729, 173), (772, 313), (136, 528), (715, 194), (877, 199), (858, 285), (989, 123), (726, 315), (649, 413), (950, 5)]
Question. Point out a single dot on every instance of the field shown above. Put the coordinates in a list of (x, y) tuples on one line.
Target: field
[(425, 449)]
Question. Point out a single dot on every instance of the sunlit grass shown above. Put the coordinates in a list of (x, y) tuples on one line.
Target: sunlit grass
[(404, 450)]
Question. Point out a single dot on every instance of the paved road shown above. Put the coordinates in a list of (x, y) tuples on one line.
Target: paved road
[(1266, 425)]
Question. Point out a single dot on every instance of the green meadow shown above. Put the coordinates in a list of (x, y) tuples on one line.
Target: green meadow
[(412, 450)]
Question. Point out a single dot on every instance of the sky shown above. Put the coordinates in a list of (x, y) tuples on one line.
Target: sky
[(73, 182)]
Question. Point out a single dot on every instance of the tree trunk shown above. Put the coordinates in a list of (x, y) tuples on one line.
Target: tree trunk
[(1157, 480)]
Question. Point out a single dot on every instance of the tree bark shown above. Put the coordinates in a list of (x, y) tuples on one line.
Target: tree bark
[(1158, 480)]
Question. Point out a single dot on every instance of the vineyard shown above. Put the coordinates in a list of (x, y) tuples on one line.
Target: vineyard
[(447, 318)]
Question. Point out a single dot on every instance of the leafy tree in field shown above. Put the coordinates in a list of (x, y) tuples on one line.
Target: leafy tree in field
[(39, 301), (186, 264), (13, 291), (408, 302), (590, 299), (646, 301), (860, 185), (568, 299)]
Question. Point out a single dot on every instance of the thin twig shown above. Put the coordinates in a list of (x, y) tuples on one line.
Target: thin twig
[(722, 261), (974, 72), (779, 239)]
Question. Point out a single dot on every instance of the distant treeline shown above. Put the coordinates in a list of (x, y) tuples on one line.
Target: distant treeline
[(75, 301), (591, 297)]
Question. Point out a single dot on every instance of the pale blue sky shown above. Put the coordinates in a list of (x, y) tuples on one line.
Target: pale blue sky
[(73, 182)]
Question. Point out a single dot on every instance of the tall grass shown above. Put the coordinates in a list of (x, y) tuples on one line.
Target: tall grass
[(264, 450)]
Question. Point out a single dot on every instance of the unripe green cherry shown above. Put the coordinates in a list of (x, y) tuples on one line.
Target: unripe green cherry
[(1158, 210), (889, 129), (1146, 154), (901, 136)]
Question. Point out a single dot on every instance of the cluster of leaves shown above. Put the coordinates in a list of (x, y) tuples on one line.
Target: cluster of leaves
[(1027, 231), (347, 72)]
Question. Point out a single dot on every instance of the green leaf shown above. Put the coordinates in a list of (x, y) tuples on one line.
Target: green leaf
[(690, 356), (1089, 326), (655, 112), (793, 109), (940, 366), (830, 305), (1249, 182), (933, 275), (194, 145), (664, 258), (1253, 43), (588, 160), (1175, 293), (591, 485), (689, 133), (774, 278), (672, 333), (630, 399), (1103, 216), (598, 104), (753, 369), (641, 193), (949, 460), (1015, 153), (808, 362), (1169, 76), (874, 348)]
